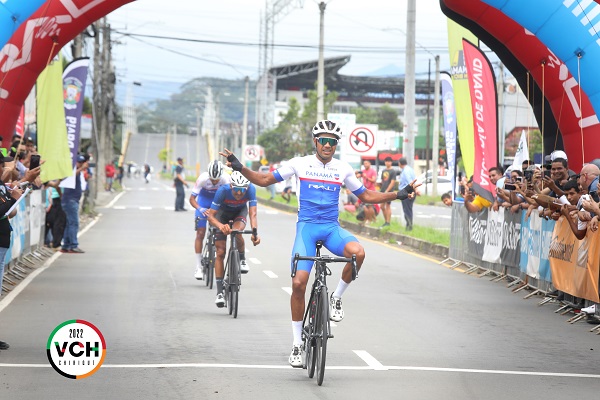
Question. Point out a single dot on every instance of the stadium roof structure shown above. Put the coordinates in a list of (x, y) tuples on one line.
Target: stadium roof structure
[(302, 76)]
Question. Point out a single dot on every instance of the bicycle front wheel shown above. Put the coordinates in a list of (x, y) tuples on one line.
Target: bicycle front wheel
[(322, 329), (309, 351)]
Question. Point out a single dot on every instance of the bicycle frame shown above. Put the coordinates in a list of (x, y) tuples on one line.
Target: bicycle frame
[(209, 260), (232, 275)]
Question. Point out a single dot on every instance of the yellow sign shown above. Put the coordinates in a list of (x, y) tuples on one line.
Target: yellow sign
[(264, 161)]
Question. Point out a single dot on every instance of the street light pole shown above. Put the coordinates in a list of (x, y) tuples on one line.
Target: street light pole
[(245, 126), (321, 67), (408, 147), (197, 141)]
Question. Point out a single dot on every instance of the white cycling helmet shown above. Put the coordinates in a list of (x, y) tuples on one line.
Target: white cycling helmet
[(327, 126), (239, 180), (215, 169)]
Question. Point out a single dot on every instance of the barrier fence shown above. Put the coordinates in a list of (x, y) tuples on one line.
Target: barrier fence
[(538, 254), (27, 242)]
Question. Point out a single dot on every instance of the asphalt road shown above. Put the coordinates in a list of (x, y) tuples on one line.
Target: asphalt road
[(413, 329)]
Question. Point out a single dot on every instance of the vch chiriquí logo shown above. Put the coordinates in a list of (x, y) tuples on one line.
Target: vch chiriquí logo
[(76, 349)]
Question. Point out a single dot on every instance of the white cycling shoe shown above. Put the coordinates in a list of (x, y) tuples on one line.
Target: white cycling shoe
[(295, 359), (199, 274), (220, 300), (589, 310), (336, 313), (244, 268)]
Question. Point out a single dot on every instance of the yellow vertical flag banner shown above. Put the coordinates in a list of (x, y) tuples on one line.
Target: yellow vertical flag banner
[(462, 95), (51, 125)]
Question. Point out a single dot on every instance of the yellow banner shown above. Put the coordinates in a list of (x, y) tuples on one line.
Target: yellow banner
[(462, 95), (51, 125), (575, 264)]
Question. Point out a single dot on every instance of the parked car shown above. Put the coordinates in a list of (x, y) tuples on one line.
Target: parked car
[(444, 185)]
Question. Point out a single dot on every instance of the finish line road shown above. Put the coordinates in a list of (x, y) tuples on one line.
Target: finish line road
[(412, 330)]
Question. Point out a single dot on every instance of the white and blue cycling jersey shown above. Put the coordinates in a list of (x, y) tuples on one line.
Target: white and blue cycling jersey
[(225, 201), (318, 190), (319, 186), (205, 191)]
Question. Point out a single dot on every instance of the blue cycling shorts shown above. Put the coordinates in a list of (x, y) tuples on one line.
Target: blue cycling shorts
[(334, 238), (200, 220)]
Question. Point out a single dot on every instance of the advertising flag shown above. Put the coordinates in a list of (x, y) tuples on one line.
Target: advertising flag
[(449, 110), (51, 128), (482, 87), (74, 78), (522, 153), (462, 95), (20, 127)]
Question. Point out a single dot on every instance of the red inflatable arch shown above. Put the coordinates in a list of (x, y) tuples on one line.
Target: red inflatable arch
[(36, 42)]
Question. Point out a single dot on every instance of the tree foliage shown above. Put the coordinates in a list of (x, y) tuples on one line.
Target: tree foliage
[(292, 136), (386, 117)]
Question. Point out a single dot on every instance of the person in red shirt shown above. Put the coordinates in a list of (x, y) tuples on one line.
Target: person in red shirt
[(110, 175), (369, 176)]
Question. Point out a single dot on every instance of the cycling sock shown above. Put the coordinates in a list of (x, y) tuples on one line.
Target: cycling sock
[(341, 288), (297, 330), (219, 285), (198, 260), (242, 256)]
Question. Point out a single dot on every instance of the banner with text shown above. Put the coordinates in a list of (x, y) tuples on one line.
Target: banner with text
[(483, 102), (449, 126), (74, 78), (575, 263)]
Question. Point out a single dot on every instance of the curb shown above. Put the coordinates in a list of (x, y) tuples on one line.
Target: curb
[(421, 246)]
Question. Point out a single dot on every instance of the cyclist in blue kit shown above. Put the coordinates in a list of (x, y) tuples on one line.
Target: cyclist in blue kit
[(201, 198), (320, 179), (229, 204)]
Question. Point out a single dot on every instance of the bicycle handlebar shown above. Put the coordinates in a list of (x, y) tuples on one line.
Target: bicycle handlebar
[(326, 259)]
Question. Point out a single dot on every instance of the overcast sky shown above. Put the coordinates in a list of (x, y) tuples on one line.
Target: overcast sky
[(371, 31)]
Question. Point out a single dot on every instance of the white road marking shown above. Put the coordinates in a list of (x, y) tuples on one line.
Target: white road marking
[(370, 360), (270, 274), (117, 197), (272, 212), (338, 368), (145, 208), (288, 290), (173, 280), (254, 260), (119, 207)]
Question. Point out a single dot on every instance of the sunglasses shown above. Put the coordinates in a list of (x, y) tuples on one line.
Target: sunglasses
[(239, 190), (326, 140)]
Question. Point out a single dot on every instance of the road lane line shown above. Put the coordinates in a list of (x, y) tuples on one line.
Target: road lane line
[(254, 260), (117, 197), (370, 360), (272, 212), (288, 290), (173, 280), (270, 274), (145, 208), (338, 368), (119, 208)]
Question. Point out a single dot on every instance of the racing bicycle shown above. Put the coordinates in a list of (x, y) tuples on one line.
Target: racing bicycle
[(233, 276), (316, 329)]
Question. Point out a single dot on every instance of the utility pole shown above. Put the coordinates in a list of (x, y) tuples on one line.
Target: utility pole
[(245, 126), (321, 66), (408, 148), (98, 108), (197, 141), (501, 134), (436, 122), (428, 128)]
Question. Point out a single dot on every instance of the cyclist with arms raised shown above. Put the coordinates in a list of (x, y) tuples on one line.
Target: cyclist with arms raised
[(320, 178), (229, 204), (201, 198)]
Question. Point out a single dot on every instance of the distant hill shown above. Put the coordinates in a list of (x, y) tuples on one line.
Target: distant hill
[(389, 71), (148, 91)]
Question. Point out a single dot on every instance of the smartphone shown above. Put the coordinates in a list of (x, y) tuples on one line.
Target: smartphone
[(509, 186), (519, 179), (547, 174), (35, 161), (595, 197)]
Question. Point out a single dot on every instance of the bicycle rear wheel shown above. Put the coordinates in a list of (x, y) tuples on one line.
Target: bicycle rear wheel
[(322, 328)]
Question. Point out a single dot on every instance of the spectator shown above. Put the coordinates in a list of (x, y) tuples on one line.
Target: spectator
[(55, 218), (287, 190), (407, 176), (110, 176), (179, 183), (496, 175), (388, 182), (147, 171), (72, 189), (369, 176), (272, 187), (447, 199), (474, 202), (120, 173)]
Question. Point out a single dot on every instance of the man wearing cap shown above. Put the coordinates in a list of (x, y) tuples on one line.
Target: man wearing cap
[(72, 189), (179, 183), (388, 181)]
